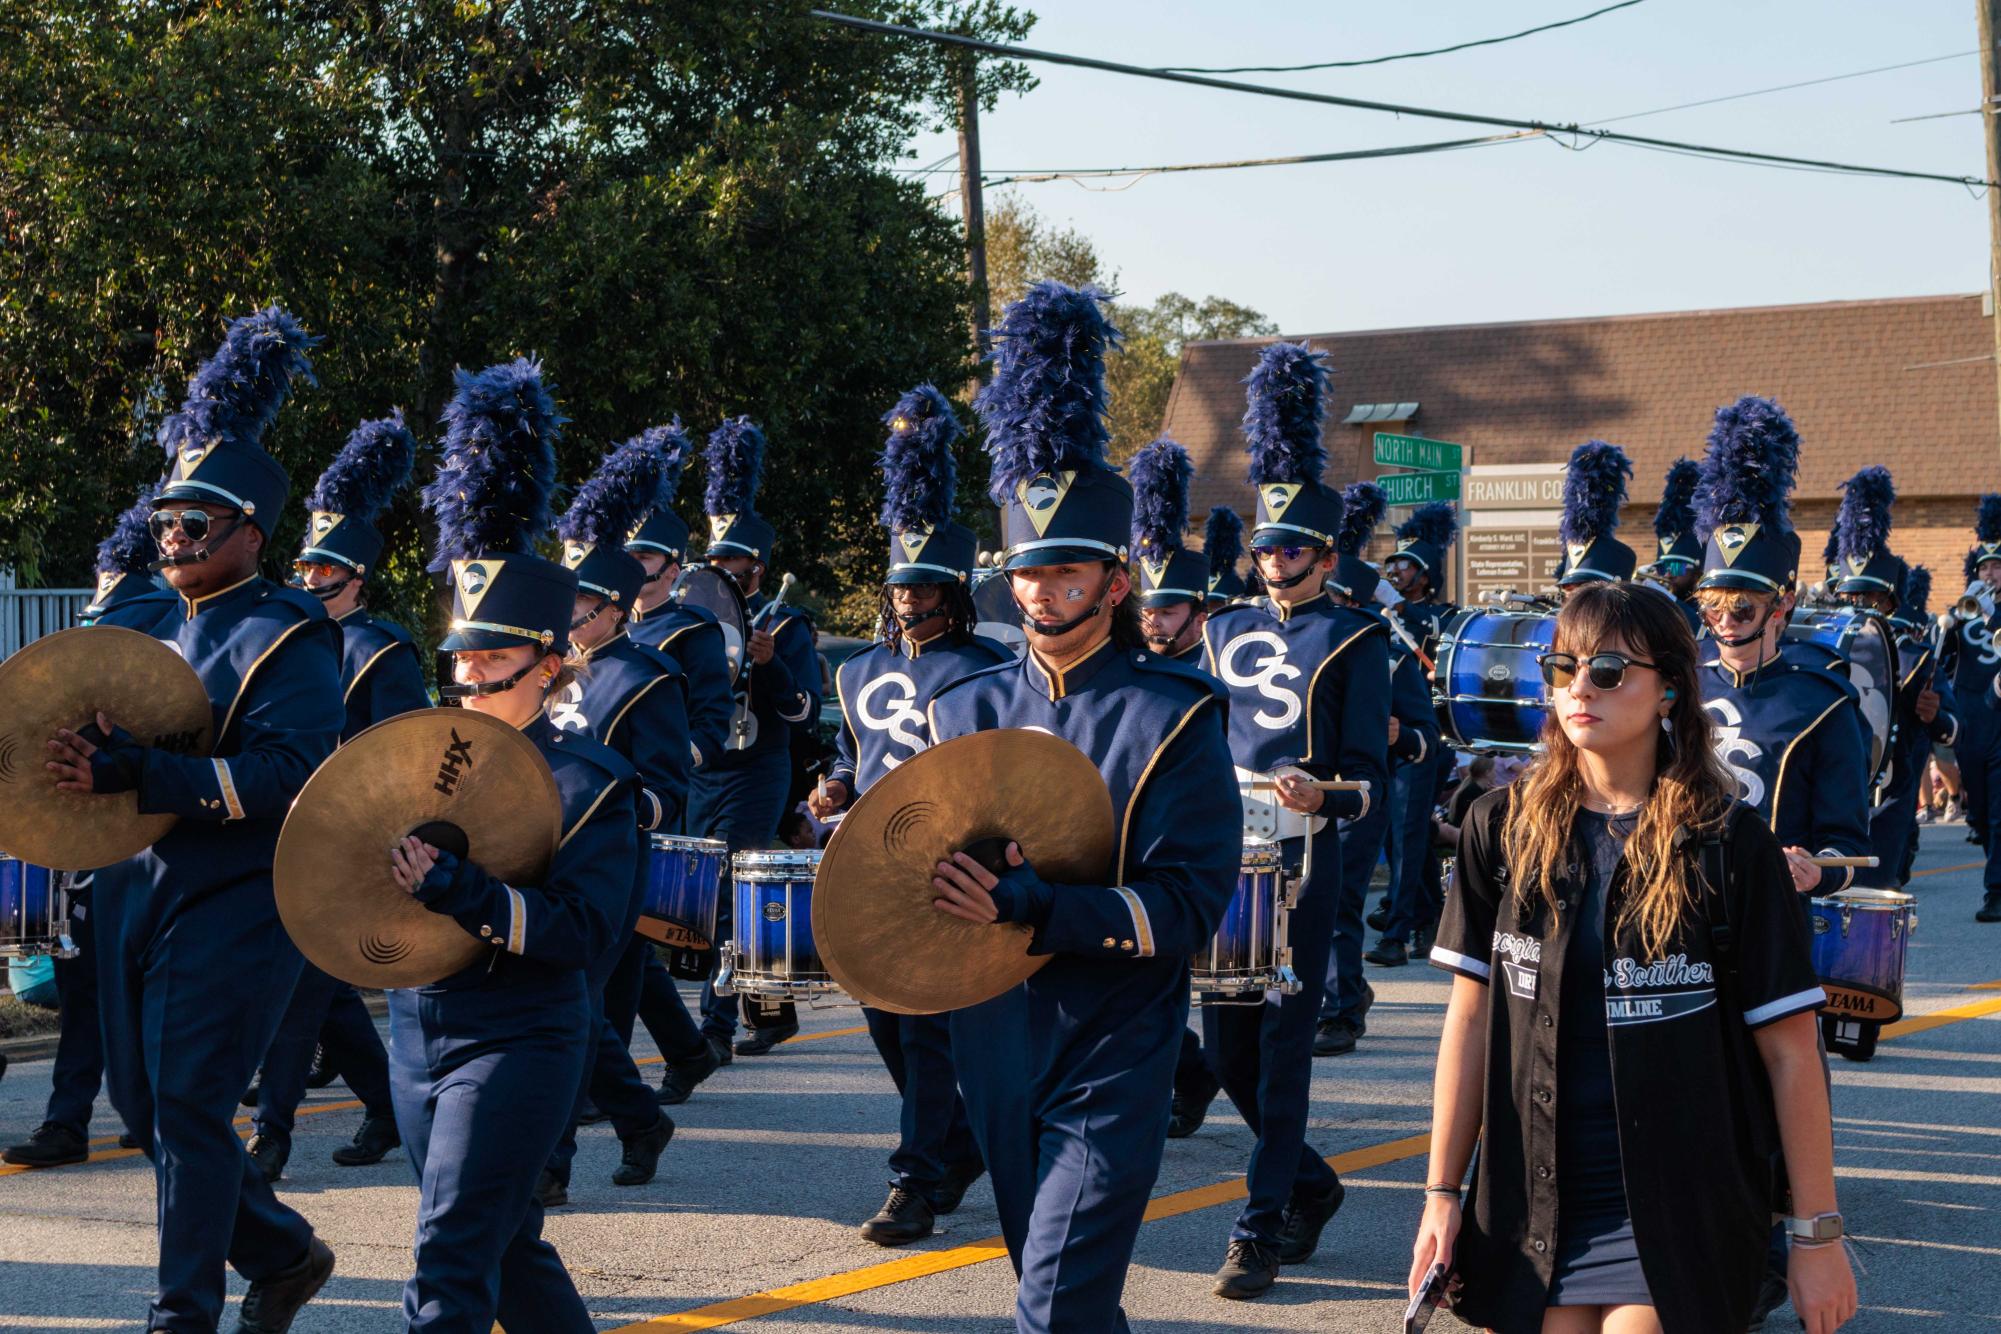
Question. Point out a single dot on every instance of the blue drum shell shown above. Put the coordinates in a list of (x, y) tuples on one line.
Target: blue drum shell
[(1861, 964), (684, 881), (28, 908), (1490, 691), (773, 927)]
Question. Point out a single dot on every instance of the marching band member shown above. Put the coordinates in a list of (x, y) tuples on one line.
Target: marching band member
[(1069, 1095), (635, 700), (739, 796), (128, 595), (1416, 571), (486, 1062), (381, 676), (1413, 739), (694, 639), (1678, 564), (1974, 660), (1223, 547), (1309, 686), (194, 968), (1930, 718), (925, 642), (1594, 486), (1791, 732)]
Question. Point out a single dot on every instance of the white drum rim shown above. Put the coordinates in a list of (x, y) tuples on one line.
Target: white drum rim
[(683, 843), (1869, 899)]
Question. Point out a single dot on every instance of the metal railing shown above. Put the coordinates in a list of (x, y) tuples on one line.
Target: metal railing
[(26, 614)]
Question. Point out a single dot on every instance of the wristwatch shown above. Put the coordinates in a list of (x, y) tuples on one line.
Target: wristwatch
[(1821, 1227)]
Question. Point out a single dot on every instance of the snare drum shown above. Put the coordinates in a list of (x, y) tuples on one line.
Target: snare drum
[(1250, 954), (770, 954), (1860, 937), (1488, 687), (684, 885), (34, 911)]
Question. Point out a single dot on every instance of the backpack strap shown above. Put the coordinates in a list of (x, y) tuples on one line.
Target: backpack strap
[(1715, 863)]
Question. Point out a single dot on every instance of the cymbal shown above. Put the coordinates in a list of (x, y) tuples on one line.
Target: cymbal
[(430, 773), (873, 920), (65, 680)]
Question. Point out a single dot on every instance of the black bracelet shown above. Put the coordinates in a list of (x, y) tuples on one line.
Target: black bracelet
[(1443, 1189)]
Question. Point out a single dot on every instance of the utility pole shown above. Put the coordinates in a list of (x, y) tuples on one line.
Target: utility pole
[(1990, 88), (974, 208)]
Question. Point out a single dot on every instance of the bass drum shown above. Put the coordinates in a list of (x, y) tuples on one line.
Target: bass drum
[(1862, 646), (1488, 687), (994, 612), (718, 594)]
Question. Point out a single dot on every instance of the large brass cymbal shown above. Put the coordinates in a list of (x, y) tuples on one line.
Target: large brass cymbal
[(336, 896), (65, 680), (873, 919)]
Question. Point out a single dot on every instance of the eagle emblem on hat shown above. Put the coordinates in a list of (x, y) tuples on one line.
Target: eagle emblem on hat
[(474, 578), (913, 542), (1041, 495), (1731, 539), (1278, 497)]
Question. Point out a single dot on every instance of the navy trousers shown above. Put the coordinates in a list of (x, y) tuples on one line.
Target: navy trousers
[(1416, 899), (484, 1079), (1192, 1076), (79, 1065), (1893, 827), (324, 1012), (659, 1006), (610, 1079), (1068, 1099), (191, 994), (935, 1138), (741, 806), (1263, 1054), (1361, 845), (1974, 750)]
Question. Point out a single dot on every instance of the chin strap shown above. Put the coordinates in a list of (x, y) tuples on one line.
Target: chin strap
[(478, 689), (325, 592), (914, 619), (1296, 580)]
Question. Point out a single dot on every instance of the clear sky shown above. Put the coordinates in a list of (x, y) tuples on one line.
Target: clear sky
[(1514, 231)]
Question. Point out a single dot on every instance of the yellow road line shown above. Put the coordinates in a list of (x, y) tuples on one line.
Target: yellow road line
[(1944, 870), (796, 1037), (1940, 1018), (926, 1263)]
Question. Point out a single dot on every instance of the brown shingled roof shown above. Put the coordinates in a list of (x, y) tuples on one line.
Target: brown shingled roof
[(1909, 383)]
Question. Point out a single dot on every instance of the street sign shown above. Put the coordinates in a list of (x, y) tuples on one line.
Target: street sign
[(1418, 488), (1413, 451)]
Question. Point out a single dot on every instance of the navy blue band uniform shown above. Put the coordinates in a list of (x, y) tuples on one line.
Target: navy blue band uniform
[(1972, 655)]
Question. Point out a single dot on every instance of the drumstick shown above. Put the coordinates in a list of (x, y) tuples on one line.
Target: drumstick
[(1322, 784), (1843, 861)]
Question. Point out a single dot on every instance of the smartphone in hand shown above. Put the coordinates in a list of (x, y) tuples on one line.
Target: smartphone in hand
[(1429, 1297)]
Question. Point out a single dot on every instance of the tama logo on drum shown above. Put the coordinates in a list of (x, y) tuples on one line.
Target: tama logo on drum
[(774, 911), (453, 764)]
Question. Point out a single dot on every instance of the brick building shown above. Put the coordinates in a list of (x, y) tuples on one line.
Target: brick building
[(1907, 383)]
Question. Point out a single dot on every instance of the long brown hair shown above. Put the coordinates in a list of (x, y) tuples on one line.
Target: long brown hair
[(1692, 790)]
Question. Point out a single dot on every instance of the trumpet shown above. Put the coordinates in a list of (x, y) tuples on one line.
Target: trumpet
[(1976, 603)]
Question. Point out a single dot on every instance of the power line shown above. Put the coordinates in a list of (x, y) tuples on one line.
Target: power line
[(1406, 55), (1350, 155), (1393, 108), (1783, 88)]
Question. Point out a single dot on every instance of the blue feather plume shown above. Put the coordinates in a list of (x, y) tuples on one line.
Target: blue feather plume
[(130, 548), (1223, 539), (1862, 524), (920, 471), (1436, 522), (1594, 486), (735, 458), (1044, 409), (671, 443), (1160, 475), (1918, 589), (369, 470), (498, 467), (616, 498), (235, 395), (1286, 400), (1363, 505), (1747, 474), (1677, 512), (1987, 521)]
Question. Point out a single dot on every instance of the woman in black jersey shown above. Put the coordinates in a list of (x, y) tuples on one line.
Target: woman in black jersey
[(1631, 1036)]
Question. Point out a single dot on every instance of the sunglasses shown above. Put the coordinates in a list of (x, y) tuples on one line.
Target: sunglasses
[(1734, 615), (1289, 553), (1605, 671), (195, 525)]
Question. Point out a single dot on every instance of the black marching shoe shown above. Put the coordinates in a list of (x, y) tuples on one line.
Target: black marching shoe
[(1379, 916), (1990, 907), (1187, 1111), (249, 1098), (957, 1181), (1299, 1237), (371, 1144), (685, 1074), (762, 1040), (721, 1047), (642, 1154), (904, 1217), (50, 1146), (1389, 954), (128, 1140), (269, 1306), (549, 1192), (322, 1071), (1249, 1269), (591, 1115), (270, 1151), (1335, 1037)]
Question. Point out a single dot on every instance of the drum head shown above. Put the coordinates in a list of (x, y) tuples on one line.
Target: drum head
[(1863, 647), (717, 593), (1489, 690)]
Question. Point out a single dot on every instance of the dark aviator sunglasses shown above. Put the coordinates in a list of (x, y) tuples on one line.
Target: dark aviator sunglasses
[(195, 525)]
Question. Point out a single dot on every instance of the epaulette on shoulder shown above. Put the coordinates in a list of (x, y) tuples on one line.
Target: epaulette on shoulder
[(1001, 652), (977, 674), (394, 631), (664, 661), (1827, 675), (295, 599), (1199, 681), (581, 752)]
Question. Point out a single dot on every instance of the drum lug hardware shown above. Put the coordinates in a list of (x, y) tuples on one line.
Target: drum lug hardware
[(725, 983)]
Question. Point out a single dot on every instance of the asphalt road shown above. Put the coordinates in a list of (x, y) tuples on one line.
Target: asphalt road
[(753, 1218)]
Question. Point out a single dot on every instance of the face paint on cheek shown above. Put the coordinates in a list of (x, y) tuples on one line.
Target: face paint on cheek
[(1073, 594)]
